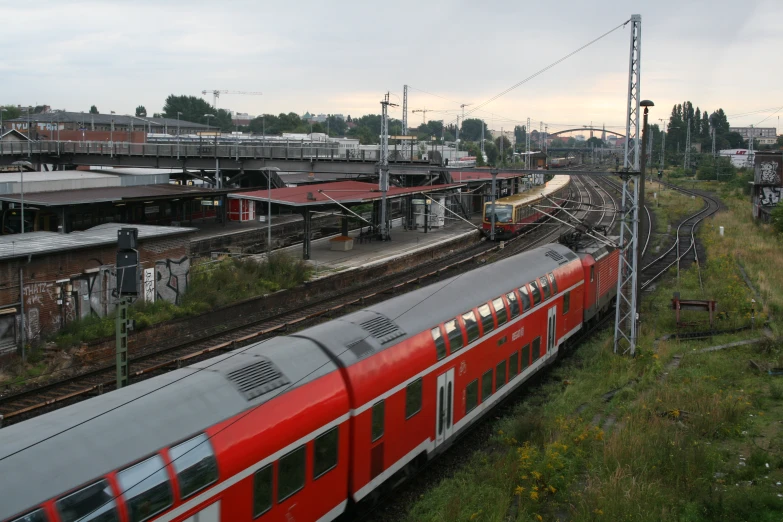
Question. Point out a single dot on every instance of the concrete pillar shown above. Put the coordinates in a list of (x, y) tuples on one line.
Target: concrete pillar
[(344, 223)]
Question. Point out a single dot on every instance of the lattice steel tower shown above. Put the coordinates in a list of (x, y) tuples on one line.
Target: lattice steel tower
[(625, 326), (405, 110)]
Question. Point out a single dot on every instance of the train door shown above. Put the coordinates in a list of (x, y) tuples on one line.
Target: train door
[(551, 329), (444, 418)]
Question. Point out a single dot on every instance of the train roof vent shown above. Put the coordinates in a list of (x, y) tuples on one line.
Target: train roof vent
[(257, 379), (360, 348), (571, 256), (382, 329), (555, 257)]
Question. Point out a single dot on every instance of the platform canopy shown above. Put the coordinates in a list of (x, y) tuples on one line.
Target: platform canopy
[(341, 192), (466, 176)]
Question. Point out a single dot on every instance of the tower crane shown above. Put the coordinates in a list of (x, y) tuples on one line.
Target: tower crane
[(217, 92), (424, 112)]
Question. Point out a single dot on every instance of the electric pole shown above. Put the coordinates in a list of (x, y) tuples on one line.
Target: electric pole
[(383, 178), (687, 164), (527, 145), (404, 110), (482, 139)]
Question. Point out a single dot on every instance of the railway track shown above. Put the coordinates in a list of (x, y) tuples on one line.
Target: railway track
[(684, 247), (28, 403)]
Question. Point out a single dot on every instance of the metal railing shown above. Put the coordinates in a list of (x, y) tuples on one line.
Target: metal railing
[(205, 149)]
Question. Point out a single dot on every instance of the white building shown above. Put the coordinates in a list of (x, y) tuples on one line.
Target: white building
[(756, 132)]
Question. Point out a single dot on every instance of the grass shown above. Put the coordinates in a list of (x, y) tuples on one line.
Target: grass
[(212, 285), (698, 442)]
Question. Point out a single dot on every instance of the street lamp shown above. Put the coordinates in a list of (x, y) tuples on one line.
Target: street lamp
[(178, 138), (21, 165), (217, 160), (646, 104)]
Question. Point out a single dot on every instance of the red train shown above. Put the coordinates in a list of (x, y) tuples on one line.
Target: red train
[(304, 426), (514, 213)]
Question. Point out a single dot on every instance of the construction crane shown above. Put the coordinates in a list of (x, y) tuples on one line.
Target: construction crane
[(217, 92), (424, 112)]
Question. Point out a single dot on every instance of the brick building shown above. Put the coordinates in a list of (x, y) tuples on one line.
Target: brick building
[(64, 277)]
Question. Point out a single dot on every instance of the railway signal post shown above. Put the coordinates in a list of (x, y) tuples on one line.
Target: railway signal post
[(127, 288)]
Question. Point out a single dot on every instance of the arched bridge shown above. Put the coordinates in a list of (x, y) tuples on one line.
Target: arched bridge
[(550, 134)]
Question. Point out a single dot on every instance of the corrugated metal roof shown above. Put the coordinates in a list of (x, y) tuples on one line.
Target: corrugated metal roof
[(97, 195), (38, 243)]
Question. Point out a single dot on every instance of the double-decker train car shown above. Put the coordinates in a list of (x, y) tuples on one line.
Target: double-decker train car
[(304, 426), (514, 213)]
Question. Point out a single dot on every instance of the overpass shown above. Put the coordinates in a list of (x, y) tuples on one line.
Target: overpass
[(288, 157)]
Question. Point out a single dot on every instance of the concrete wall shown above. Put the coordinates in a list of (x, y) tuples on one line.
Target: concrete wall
[(767, 183)]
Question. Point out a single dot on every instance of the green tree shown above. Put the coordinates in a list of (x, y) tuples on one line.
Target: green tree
[(492, 152), (571, 142), (337, 126), (557, 143), (734, 140), (777, 218), (11, 112), (94, 110), (520, 132), (142, 112), (471, 129), (195, 109), (594, 141)]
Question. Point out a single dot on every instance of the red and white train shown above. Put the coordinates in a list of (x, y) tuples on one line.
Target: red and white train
[(302, 427), (514, 213)]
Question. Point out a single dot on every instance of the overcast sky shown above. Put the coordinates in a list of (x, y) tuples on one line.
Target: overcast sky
[(340, 57)]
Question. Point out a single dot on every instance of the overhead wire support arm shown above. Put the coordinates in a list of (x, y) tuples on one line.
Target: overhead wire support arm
[(344, 207)]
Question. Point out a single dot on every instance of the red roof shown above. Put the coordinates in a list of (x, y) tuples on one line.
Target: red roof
[(461, 176), (341, 191)]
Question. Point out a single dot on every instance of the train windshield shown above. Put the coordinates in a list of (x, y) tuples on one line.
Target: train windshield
[(503, 213)]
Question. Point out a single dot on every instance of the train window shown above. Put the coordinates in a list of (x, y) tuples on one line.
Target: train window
[(471, 396), (592, 273), (536, 348), (195, 465), (377, 420), (525, 298), (487, 322), (325, 454), (95, 503), (262, 491), (526, 356), (146, 488), (566, 302), (513, 365), (413, 398), (545, 287), (36, 516), (535, 292), (454, 333), (486, 385), (500, 375), (291, 473), (500, 310), (471, 326), (553, 282), (440, 343), (513, 303)]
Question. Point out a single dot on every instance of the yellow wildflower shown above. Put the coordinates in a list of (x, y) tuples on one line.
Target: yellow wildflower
[(519, 490), (533, 495)]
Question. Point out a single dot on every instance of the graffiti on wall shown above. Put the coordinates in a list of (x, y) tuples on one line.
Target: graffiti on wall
[(768, 173), (172, 279), (770, 196), (149, 285)]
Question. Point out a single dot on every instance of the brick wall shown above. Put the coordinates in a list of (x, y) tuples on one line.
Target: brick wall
[(47, 303)]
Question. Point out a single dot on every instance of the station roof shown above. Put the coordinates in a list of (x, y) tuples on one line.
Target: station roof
[(464, 176), (37, 243), (343, 192), (105, 119), (114, 194)]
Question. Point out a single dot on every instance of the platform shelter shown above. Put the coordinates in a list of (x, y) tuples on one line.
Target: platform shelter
[(338, 196)]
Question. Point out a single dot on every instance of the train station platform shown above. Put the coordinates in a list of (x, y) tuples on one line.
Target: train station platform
[(366, 253)]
